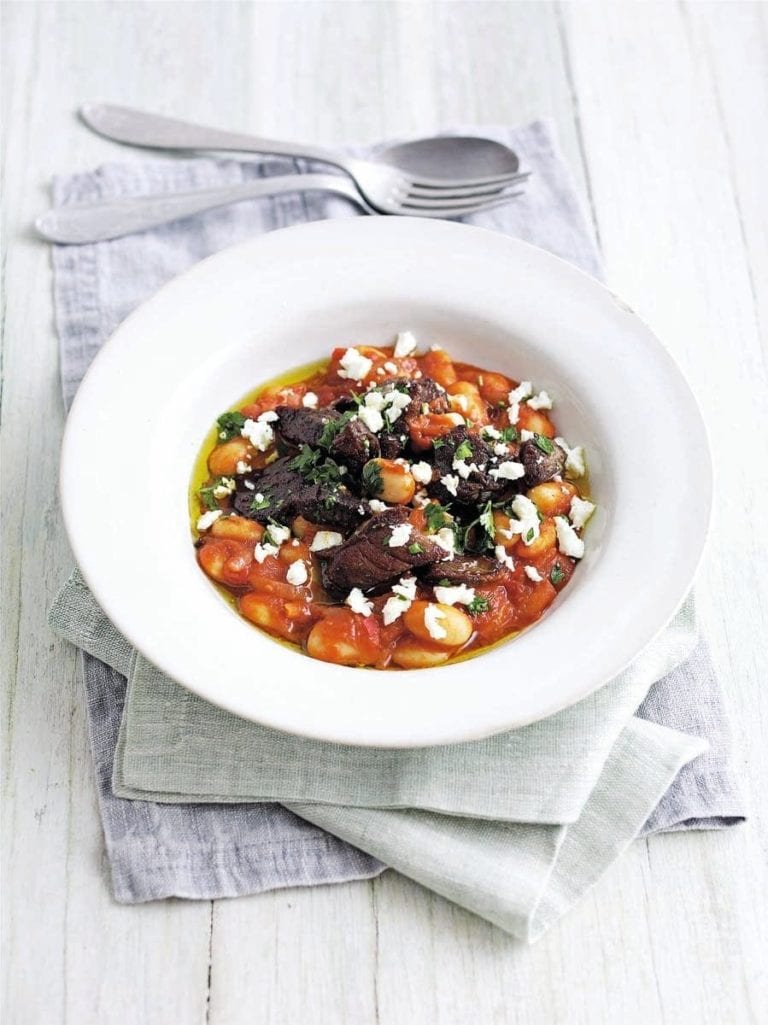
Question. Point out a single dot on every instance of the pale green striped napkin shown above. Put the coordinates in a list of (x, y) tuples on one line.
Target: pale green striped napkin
[(515, 827)]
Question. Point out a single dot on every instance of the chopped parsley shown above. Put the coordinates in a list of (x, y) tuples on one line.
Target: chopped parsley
[(464, 451), (207, 496), (509, 434), (480, 603), (437, 517), (544, 444), (471, 540), (230, 425), (438, 442), (334, 427), (529, 535), (371, 478), (416, 548), (486, 520), (315, 468), (556, 575), (259, 502)]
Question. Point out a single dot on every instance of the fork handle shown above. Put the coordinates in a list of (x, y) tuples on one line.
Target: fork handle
[(96, 222), (124, 124)]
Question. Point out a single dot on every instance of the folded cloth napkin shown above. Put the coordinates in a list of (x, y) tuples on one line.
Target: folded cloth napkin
[(515, 827)]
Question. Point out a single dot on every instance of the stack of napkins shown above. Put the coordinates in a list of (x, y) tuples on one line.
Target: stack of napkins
[(198, 803)]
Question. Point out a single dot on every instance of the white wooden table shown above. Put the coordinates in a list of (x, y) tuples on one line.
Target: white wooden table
[(661, 111)]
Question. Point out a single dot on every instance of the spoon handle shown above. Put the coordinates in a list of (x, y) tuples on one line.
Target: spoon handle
[(124, 124), (96, 222)]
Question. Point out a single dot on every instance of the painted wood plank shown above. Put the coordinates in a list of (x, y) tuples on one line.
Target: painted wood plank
[(674, 933)]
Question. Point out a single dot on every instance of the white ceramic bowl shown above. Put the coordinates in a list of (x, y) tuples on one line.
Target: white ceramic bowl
[(251, 312)]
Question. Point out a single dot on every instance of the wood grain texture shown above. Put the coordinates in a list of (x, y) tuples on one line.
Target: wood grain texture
[(661, 113)]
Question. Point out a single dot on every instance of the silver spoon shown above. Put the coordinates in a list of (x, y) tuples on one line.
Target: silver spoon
[(386, 182)]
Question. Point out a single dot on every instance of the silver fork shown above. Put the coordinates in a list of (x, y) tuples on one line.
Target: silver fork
[(96, 222), (385, 187)]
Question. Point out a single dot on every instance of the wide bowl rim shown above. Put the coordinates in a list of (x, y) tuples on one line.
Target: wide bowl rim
[(379, 731)]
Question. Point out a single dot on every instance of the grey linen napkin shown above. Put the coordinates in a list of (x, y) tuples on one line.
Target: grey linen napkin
[(554, 802)]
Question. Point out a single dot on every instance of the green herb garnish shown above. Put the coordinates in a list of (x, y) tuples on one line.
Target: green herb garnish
[(438, 442), (464, 451), (480, 603), (437, 517), (334, 427), (557, 576), (314, 468), (529, 535), (259, 503), (486, 520), (207, 496), (371, 478), (544, 444), (509, 434), (230, 425), (415, 548)]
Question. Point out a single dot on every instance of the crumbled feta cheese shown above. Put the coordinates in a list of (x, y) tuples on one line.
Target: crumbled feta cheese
[(508, 470), (376, 505), (267, 418), (390, 367), (568, 541), (310, 400), (521, 393), (297, 573), (400, 534), (533, 574), (405, 344), (208, 519), (260, 552), (432, 617), (421, 472), (527, 435), (225, 487), (325, 539), (456, 419), (463, 468), (446, 539), (540, 401), (501, 449), (459, 595), (277, 534), (242, 466), (372, 418), (461, 401), (580, 511), (354, 366), (575, 463), (513, 413), (403, 598), (421, 498), (251, 487), (375, 400), (380, 371), (527, 522), (397, 401), (295, 543), (358, 602), (259, 433), (501, 556), (491, 434), (450, 483)]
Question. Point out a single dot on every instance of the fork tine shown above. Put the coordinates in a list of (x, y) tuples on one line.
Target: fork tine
[(448, 212), (467, 189), (417, 181), (451, 203)]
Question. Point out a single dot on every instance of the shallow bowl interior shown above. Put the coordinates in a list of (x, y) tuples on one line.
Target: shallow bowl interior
[(252, 312)]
